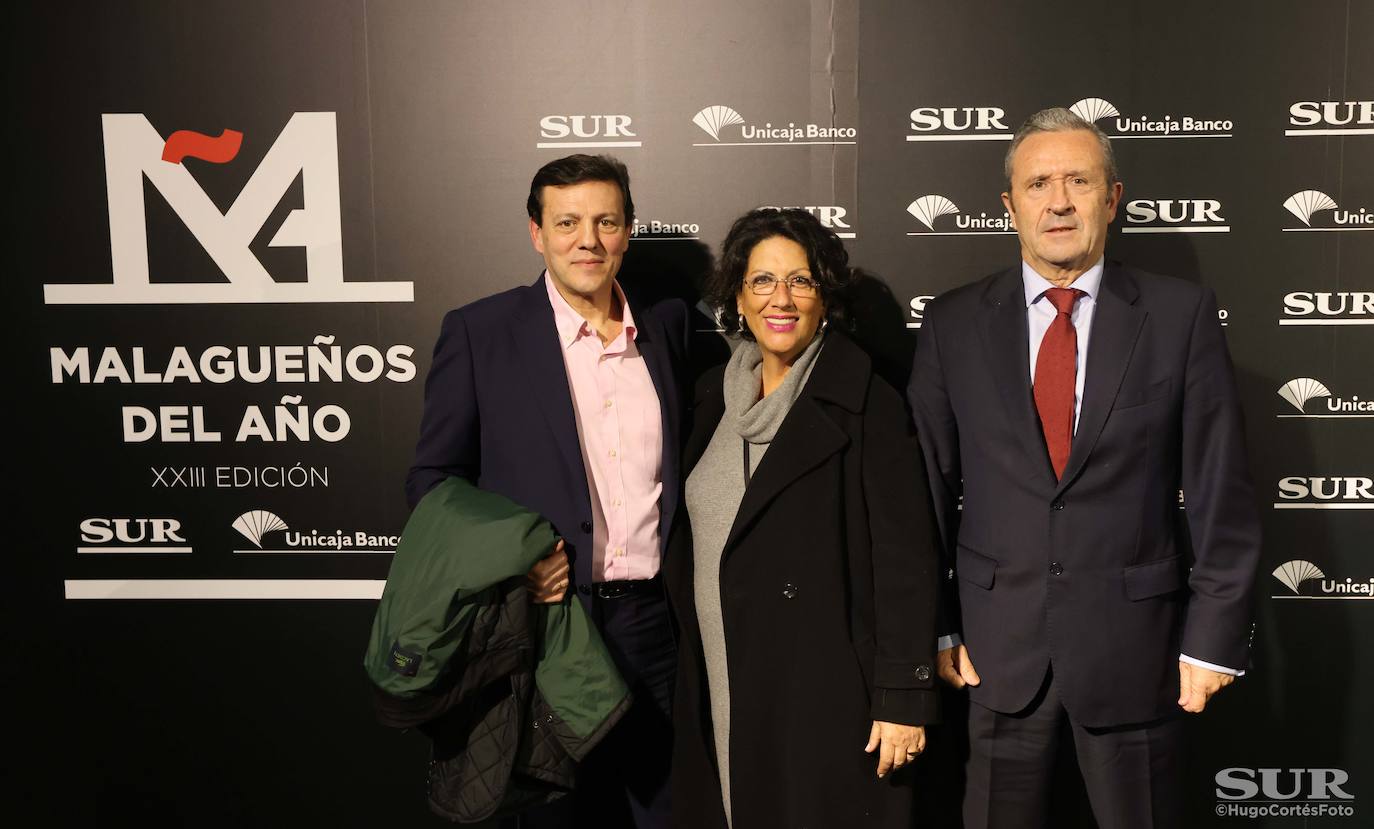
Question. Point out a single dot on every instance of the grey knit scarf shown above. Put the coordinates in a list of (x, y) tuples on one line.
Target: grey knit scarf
[(758, 420)]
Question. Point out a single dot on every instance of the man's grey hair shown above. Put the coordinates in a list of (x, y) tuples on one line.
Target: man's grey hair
[(1059, 119)]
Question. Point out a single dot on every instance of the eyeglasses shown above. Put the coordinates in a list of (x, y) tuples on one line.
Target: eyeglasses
[(764, 284)]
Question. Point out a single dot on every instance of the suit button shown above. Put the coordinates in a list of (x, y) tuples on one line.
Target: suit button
[(586, 526), (1057, 505), (923, 672), (1056, 568), (789, 591), (584, 589)]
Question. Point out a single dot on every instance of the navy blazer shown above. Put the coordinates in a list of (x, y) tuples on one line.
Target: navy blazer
[(499, 413), (1098, 572)]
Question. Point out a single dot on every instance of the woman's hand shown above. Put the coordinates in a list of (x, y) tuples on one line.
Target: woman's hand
[(896, 744)]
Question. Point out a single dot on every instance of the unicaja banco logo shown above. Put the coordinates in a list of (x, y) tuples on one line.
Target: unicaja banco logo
[(307, 148), (1093, 110), (1305, 580), (1303, 389), (254, 524), (1298, 392), (1303, 204), (713, 119), (1293, 573), (931, 207), (1307, 203)]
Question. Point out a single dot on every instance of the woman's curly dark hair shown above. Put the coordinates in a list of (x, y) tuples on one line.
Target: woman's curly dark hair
[(825, 254)]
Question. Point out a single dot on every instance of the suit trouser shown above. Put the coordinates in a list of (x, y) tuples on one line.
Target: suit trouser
[(1132, 773), (623, 782)]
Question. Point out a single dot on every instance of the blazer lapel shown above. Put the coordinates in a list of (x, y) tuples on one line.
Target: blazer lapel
[(651, 341), (536, 342), (1116, 326), (1005, 338)]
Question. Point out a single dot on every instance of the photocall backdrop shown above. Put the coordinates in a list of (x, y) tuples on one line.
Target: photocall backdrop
[(239, 224)]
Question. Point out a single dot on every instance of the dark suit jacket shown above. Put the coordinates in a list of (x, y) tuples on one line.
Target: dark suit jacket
[(499, 413), (1090, 573), (827, 584)]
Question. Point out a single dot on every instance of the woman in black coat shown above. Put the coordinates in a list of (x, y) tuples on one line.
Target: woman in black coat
[(804, 579)]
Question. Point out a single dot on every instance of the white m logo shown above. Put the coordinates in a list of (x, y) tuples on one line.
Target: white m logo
[(306, 147)]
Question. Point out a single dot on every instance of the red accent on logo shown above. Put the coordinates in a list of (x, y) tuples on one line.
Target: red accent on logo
[(189, 144)]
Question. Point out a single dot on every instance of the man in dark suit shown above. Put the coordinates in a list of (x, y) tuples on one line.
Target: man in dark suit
[(564, 396), (1066, 402)]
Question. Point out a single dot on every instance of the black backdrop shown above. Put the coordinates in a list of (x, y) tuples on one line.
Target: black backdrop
[(188, 614)]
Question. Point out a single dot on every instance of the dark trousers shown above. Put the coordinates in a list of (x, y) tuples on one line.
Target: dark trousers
[(1132, 773), (624, 780)]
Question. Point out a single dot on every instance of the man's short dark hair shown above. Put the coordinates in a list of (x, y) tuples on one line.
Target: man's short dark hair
[(576, 169), (825, 255)]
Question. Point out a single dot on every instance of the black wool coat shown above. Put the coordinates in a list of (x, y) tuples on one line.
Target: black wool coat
[(828, 583)]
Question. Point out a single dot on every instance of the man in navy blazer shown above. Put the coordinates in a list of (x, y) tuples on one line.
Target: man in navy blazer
[(1065, 403), (565, 397)]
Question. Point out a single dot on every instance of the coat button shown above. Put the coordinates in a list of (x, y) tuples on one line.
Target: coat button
[(789, 591), (922, 672), (586, 526), (584, 589), (1056, 568), (1057, 505)]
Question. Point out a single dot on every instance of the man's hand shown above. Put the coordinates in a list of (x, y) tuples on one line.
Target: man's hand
[(1197, 684), (954, 667), (547, 580), (897, 744)]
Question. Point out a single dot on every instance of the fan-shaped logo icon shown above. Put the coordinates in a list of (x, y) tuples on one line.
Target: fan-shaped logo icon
[(1294, 573), (1303, 204), (1301, 390), (928, 208), (254, 524), (1091, 109), (713, 118)]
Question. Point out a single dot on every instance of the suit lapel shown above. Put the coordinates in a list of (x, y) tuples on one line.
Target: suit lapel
[(536, 342), (652, 343), (1115, 328), (1005, 338)]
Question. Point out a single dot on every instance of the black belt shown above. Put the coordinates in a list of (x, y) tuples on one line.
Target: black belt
[(619, 589)]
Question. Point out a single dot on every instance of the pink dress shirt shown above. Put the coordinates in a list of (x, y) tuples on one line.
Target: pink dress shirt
[(620, 429)]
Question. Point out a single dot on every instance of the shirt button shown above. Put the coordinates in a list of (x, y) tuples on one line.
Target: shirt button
[(608, 404), (586, 526), (922, 673), (611, 453), (1056, 568), (789, 591), (1057, 505), (616, 502)]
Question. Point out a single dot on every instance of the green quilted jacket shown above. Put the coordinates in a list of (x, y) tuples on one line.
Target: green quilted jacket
[(511, 694)]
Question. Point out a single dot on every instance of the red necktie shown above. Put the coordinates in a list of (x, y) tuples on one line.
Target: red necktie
[(1055, 372)]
